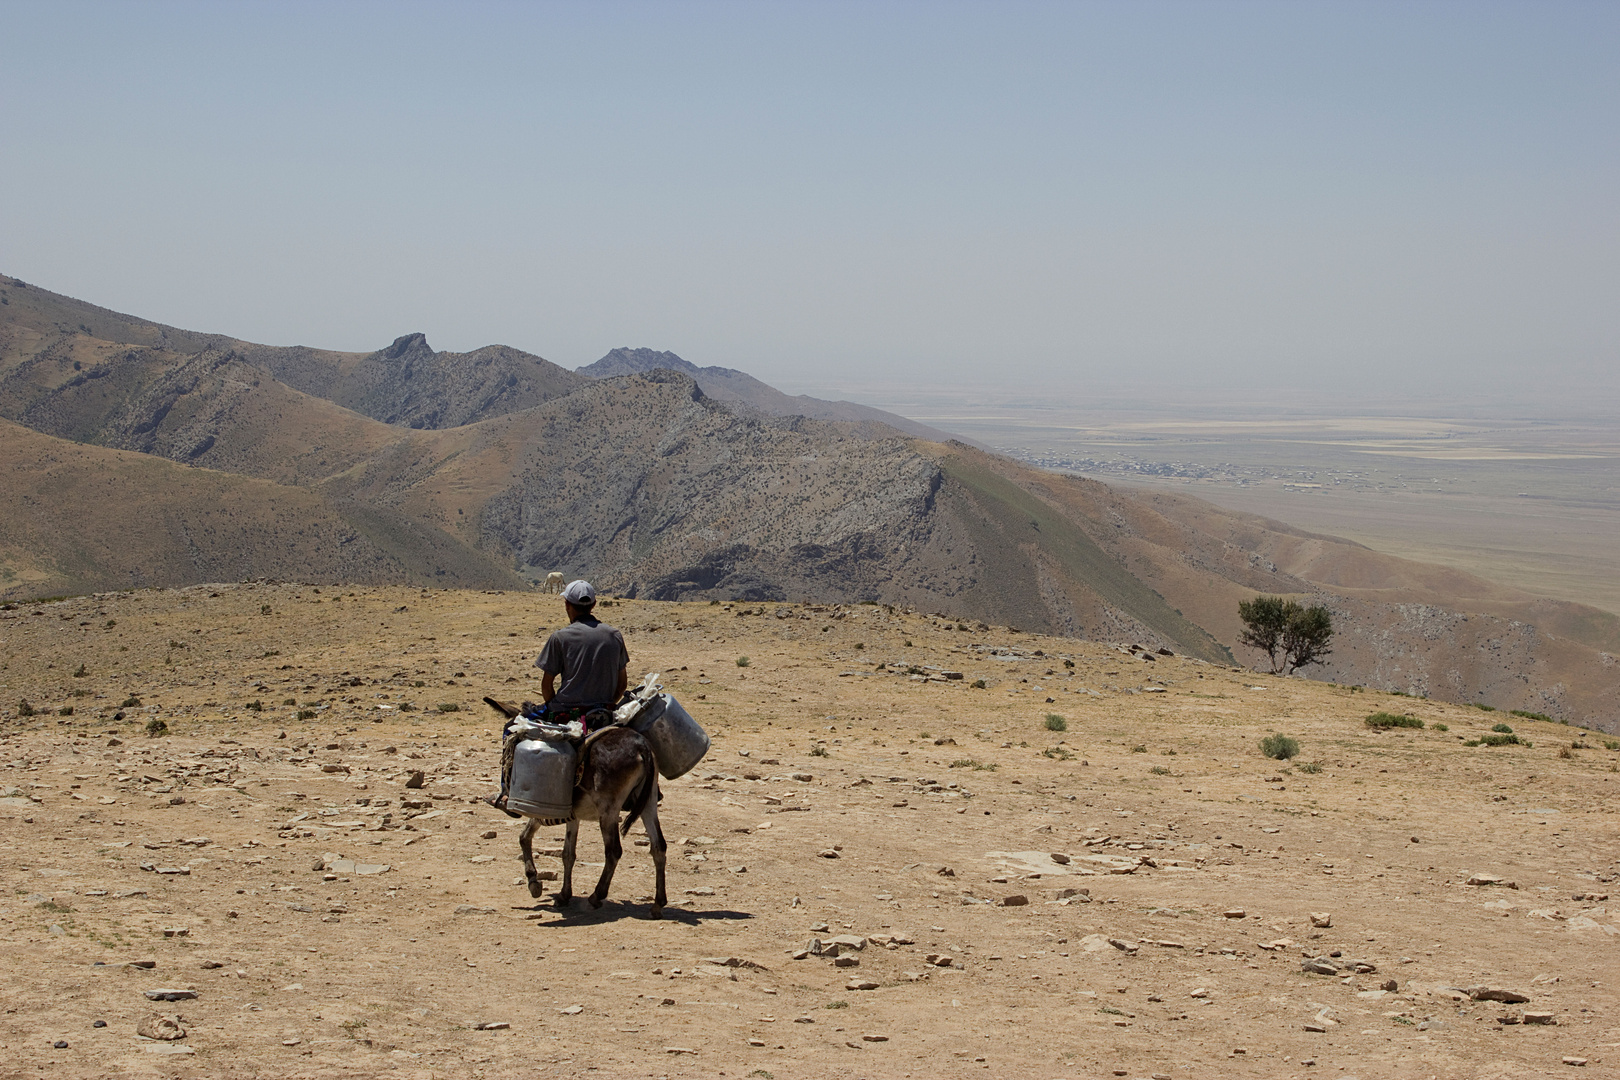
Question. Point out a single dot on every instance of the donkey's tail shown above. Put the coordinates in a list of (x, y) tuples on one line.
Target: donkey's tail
[(646, 792)]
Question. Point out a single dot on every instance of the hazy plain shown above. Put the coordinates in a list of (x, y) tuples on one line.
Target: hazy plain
[(1530, 501)]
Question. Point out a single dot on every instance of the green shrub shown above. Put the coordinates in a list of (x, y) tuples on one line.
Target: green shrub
[(449, 706), (978, 684), (1280, 747), (1312, 767), (1492, 739), (836, 1005), (254, 706), (66, 710), (1528, 715), (1441, 727), (306, 714), (1068, 663), (289, 701), (24, 709), (418, 682), (974, 764), (1057, 753), (1160, 770), (1384, 721), (131, 702), (1482, 707), (820, 750), (1054, 722), (1138, 749), (1610, 744), (156, 728), (1502, 728), (80, 672), (742, 661)]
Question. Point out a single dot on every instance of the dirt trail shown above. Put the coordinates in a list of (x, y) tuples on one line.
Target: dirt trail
[(1167, 870)]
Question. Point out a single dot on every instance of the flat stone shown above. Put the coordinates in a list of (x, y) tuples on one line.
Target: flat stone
[(482, 859), (1577, 1061), (1015, 900), (1320, 965), (168, 1048), (1494, 993), (494, 1025), (846, 961), (572, 1010), (1540, 1018), (1491, 879), (469, 909), (1060, 858), (171, 995), (860, 984), (1321, 919), (1123, 946), (1234, 913), (701, 890)]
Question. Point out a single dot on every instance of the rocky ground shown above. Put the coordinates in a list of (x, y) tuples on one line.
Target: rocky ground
[(880, 870)]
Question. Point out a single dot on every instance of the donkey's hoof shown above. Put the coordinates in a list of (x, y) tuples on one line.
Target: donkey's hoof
[(595, 901), (656, 912), (563, 899), (536, 889)]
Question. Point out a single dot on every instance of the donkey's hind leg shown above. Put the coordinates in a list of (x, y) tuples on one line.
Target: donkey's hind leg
[(565, 895), (526, 845), (612, 851), (655, 842)]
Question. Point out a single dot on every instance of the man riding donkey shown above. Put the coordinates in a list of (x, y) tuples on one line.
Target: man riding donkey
[(591, 659)]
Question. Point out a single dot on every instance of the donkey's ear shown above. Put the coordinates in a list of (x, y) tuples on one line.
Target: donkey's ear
[(503, 708)]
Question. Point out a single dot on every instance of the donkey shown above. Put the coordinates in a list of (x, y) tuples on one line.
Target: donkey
[(617, 772)]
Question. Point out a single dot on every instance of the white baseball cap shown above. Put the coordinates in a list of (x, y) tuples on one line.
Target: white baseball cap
[(581, 593)]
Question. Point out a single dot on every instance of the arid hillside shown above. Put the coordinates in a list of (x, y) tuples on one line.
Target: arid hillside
[(655, 489), (1071, 862)]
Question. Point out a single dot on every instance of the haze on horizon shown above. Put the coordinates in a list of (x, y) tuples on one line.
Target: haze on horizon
[(1333, 200)]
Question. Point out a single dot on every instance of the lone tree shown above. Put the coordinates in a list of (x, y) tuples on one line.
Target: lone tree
[(1290, 634)]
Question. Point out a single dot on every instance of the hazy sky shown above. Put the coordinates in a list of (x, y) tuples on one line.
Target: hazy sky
[(1354, 196)]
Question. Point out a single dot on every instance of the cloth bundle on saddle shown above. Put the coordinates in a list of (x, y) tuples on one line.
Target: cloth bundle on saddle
[(541, 754)]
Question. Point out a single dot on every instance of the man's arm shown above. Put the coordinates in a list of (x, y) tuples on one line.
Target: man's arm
[(548, 687), (623, 681)]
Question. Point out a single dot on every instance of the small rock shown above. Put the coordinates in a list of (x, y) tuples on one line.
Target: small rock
[(860, 984), (210, 965), (1321, 919), (1318, 1028), (99, 1024), (1123, 946), (1235, 913), (469, 909), (164, 1026), (885, 1038), (1319, 965), (1015, 900), (494, 1025), (416, 780), (1578, 1061), (945, 871), (60, 1044), (827, 853), (1540, 1018), (1389, 984), (846, 961), (489, 835), (1494, 993), (1060, 858), (171, 995), (482, 859), (701, 890), (572, 1010)]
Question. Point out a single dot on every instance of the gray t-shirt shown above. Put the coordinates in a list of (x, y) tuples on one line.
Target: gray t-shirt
[(589, 656)]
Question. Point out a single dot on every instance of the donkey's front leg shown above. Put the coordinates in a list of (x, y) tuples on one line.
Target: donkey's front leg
[(612, 849), (565, 895), (526, 845)]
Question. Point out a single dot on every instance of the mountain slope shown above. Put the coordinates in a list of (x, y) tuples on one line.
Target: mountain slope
[(653, 487), (84, 518), (728, 384)]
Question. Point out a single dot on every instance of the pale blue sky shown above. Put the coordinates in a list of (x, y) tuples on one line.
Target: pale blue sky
[(1331, 196)]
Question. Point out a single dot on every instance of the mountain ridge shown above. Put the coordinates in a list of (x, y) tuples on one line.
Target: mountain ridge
[(655, 488)]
